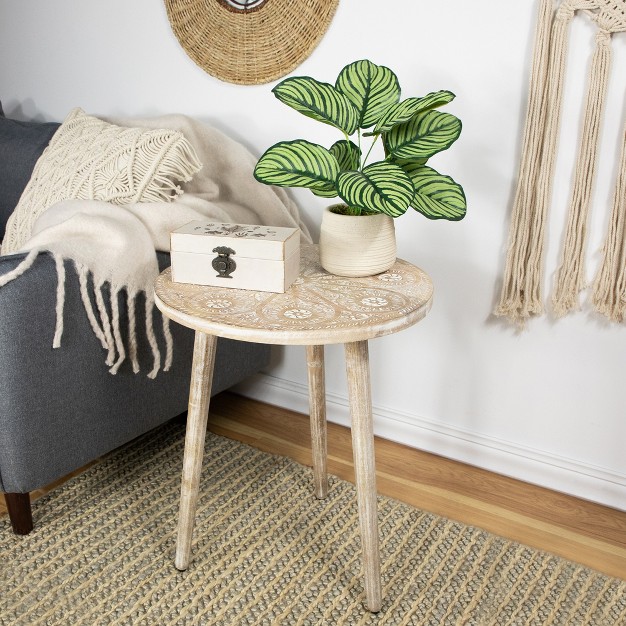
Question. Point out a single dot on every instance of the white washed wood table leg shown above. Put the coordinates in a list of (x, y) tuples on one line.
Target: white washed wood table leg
[(317, 411), (199, 397), (357, 367)]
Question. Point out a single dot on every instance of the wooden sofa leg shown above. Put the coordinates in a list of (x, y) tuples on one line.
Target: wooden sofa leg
[(20, 512)]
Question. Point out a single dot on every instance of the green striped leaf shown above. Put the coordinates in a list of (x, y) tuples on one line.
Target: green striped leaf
[(371, 88), (326, 190), (381, 187), (298, 163), (320, 101), (347, 153), (438, 197), (405, 110), (423, 135), (408, 164)]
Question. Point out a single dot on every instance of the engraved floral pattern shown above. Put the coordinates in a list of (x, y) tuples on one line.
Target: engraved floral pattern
[(375, 301), (297, 314), (317, 301), (219, 304), (390, 277), (233, 230)]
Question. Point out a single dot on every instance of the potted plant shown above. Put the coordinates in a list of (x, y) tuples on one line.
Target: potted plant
[(366, 96)]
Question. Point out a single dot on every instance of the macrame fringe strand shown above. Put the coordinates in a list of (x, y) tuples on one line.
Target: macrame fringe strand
[(609, 292), (513, 303), (533, 280), (570, 277), (521, 295)]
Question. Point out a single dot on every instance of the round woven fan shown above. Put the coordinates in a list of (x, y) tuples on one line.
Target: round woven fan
[(249, 42)]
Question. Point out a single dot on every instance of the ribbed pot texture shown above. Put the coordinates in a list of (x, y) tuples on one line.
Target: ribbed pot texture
[(361, 245)]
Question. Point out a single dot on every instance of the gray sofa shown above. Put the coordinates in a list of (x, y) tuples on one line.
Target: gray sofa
[(60, 408)]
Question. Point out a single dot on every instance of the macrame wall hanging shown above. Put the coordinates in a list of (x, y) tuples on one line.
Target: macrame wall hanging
[(521, 295)]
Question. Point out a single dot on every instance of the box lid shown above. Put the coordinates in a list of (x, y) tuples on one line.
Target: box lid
[(247, 240)]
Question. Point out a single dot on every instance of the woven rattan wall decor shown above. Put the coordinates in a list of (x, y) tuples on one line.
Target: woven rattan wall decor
[(521, 295), (249, 42)]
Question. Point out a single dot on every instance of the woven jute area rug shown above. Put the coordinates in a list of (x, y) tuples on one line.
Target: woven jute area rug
[(267, 552)]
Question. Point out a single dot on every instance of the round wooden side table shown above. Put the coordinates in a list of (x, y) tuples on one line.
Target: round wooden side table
[(318, 309)]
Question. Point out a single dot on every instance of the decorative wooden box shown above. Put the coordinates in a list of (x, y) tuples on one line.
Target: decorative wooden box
[(264, 258)]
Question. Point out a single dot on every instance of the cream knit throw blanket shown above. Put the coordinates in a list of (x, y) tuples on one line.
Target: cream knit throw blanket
[(521, 295), (115, 244)]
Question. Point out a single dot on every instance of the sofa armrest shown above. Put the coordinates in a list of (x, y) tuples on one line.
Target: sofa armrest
[(61, 408)]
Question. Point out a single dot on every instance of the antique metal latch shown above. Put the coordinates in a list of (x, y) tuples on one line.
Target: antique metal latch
[(223, 264)]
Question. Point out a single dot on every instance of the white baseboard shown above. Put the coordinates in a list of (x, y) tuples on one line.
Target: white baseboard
[(503, 457)]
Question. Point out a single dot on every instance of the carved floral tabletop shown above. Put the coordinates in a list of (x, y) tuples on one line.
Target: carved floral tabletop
[(319, 308)]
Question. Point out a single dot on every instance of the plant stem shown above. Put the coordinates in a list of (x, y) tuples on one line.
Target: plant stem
[(368, 152)]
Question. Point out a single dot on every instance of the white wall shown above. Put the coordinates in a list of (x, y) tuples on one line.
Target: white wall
[(547, 405)]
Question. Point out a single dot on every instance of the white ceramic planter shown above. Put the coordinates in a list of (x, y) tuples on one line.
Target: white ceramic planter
[(353, 245)]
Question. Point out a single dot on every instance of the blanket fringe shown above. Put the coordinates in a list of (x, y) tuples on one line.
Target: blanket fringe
[(106, 324), (156, 353), (169, 344), (24, 265), (117, 335), (132, 332), (107, 330), (83, 274), (58, 331)]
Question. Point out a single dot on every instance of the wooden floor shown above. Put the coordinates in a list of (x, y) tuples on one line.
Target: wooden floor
[(581, 531)]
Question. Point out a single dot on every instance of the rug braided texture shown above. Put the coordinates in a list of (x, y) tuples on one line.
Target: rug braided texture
[(267, 552)]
